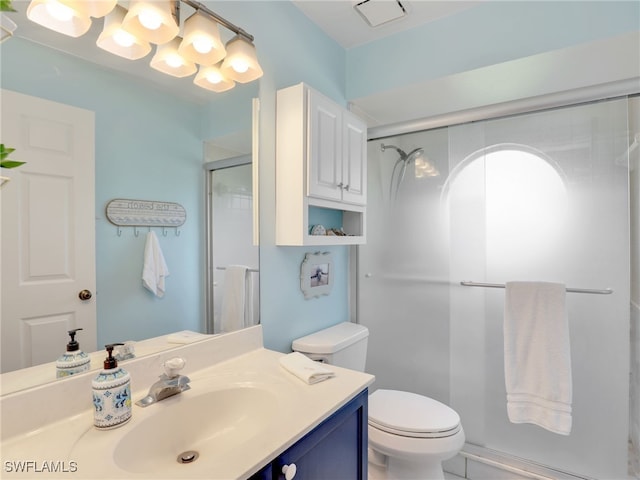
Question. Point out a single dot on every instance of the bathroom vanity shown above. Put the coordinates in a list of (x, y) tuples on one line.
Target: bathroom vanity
[(337, 448), (243, 417)]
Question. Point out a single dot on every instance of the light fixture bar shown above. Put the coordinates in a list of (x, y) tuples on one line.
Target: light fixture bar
[(222, 21)]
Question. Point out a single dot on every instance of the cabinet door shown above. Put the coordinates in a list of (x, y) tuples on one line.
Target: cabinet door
[(324, 146), (337, 449), (354, 159)]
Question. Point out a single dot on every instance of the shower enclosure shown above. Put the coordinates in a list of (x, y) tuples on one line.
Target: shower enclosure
[(541, 196)]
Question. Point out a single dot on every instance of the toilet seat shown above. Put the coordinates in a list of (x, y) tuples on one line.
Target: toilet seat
[(411, 415)]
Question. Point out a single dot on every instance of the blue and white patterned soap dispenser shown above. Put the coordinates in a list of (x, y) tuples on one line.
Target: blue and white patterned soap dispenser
[(73, 360), (111, 394)]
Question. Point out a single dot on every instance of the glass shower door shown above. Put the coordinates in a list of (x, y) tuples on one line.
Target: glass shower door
[(538, 197)]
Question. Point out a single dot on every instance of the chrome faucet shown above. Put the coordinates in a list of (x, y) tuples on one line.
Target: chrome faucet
[(171, 383)]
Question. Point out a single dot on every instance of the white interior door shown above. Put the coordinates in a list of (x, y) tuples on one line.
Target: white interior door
[(48, 233)]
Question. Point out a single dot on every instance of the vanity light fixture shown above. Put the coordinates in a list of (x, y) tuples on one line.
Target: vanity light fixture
[(213, 79), (114, 39), (241, 63), (153, 21), (168, 60), (201, 42), (128, 33)]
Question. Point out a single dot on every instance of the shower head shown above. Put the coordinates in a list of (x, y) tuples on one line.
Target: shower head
[(423, 166), (413, 154)]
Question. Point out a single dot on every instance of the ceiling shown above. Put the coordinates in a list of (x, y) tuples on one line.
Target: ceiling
[(340, 20), (337, 18)]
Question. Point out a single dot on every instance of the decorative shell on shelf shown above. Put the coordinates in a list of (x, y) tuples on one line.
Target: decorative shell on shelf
[(318, 230)]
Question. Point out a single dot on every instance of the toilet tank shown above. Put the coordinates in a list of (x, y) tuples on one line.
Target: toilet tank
[(344, 345)]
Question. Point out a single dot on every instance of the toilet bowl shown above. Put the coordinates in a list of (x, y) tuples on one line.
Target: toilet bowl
[(410, 435)]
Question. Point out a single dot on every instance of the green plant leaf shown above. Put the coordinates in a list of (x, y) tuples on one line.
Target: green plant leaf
[(5, 151), (10, 163), (5, 6)]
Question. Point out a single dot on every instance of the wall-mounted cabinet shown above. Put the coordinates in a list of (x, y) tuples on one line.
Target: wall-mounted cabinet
[(321, 169)]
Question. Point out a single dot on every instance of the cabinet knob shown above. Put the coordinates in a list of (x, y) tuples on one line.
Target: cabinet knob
[(346, 187), (341, 185), (289, 471)]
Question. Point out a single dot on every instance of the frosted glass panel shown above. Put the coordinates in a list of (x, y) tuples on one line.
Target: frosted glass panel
[(232, 237), (534, 197)]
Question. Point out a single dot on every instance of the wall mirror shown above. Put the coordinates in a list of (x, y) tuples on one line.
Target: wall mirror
[(214, 127)]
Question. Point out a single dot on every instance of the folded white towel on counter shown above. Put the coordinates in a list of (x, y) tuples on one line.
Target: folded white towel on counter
[(305, 369), (537, 359), (155, 268)]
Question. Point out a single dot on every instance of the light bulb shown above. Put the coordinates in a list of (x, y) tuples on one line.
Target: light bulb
[(124, 39), (202, 44), (240, 66), (59, 11), (150, 20), (174, 60), (214, 77)]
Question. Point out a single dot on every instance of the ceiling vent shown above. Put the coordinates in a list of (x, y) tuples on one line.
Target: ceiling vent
[(379, 12)]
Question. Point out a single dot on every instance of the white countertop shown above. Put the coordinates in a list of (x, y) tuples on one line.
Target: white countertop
[(72, 443)]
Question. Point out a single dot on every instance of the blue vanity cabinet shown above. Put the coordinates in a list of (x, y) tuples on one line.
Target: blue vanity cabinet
[(336, 449)]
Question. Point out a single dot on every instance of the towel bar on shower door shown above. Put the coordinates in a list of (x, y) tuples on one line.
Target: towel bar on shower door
[(606, 291)]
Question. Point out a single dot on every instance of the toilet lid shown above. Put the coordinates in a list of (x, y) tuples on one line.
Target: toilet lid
[(411, 415)]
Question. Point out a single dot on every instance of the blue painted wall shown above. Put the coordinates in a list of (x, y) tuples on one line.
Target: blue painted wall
[(157, 152)]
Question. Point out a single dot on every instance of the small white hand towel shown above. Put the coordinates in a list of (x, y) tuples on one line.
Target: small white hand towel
[(305, 369), (155, 268), (537, 358), (234, 298)]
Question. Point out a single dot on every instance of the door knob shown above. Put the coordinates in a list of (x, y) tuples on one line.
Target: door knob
[(84, 295)]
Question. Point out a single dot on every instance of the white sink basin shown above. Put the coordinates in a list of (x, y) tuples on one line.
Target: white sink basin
[(210, 424), (213, 424)]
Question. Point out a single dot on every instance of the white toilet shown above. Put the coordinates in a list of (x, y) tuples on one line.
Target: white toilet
[(410, 435)]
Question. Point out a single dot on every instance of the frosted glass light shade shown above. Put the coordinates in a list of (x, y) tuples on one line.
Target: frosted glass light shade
[(68, 17), (241, 63), (114, 39), (168, 60), (151, 21), (201, 43), (213, 79), (98, 8)]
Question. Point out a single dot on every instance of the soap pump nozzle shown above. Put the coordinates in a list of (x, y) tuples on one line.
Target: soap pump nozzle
[(111, 362), (73, 345)]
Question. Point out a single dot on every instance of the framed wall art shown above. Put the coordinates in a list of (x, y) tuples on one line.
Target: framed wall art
[(316, 274)]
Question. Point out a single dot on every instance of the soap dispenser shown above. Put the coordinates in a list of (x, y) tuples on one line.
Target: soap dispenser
[(73, 360), (111, 394)]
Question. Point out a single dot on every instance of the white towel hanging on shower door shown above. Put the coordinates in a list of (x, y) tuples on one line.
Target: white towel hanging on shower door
[(537, 359)]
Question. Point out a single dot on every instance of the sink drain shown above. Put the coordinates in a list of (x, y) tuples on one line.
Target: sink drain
[(189, 456)]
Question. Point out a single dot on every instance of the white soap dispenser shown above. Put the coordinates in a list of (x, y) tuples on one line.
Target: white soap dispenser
[(73, 360), (111, 394)]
